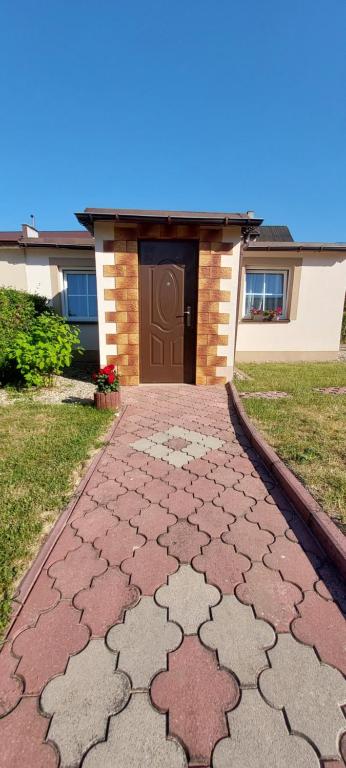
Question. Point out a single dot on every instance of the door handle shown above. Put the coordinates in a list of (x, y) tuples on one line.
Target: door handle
[(188, 316)]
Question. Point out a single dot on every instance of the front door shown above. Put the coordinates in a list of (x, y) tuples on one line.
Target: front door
[(168, 304)]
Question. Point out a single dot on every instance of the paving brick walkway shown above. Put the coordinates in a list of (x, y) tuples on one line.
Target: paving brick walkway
[(185, 616)]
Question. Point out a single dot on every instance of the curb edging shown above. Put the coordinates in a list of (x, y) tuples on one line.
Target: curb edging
[(30, 577), (323, 528)]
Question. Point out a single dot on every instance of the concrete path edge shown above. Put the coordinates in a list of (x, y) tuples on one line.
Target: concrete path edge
[(327, 533), (31, 575)]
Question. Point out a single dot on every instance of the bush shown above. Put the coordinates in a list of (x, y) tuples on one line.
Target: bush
[(17, 312), (343, 329), (44, 349)]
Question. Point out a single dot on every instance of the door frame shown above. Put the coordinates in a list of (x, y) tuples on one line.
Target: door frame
[(194, 243)]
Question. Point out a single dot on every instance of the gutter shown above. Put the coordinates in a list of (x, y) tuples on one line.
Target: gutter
[(277, 246)]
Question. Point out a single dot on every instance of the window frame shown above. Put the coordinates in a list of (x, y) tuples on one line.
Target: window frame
[(80, 318), (264, 271)]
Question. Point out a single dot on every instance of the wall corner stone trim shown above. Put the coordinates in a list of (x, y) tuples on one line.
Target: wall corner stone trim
[(120, 275)]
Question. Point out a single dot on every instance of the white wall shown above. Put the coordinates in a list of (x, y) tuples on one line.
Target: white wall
[(104, 231), (38, 273), (12, 269), (39, 270), (316, 328)]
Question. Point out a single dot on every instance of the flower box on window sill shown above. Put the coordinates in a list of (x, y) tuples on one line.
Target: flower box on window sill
[(262, 319)]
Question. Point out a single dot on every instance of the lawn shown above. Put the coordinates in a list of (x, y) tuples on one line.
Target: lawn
[(42, 448), (308, 429)]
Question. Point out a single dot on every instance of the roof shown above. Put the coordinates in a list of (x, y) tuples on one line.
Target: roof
[(58, 239), (292, 245), (275, 232), (206, 218)]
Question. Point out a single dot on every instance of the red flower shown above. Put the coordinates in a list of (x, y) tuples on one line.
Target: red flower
[(108, 369), (95, 376), (111, 378)]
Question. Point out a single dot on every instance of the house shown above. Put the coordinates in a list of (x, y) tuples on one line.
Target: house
[(177, 296)]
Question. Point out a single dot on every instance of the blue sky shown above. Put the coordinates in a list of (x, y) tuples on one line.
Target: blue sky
[(188, 105)]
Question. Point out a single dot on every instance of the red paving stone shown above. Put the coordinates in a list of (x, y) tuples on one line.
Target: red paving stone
[(11, 686), (44, 649), (212, 520), (77, 570), (141, 520), (42, 598), (149, 567), (222, 565), (68, 542), (254, 487), (293, 564), (322, 625), (181, 503), (155, 491), (129, 505), (180, 478), (95, 524), (152, 521), (134, 479), (272, 598), (224, 475), (192, 680), (107, 491), (183, 541), (205, 489), (201, 467), (100, 614), (269, 517), (249, 539), (22, 735), (234, 502), (119, 543), (157, 468)]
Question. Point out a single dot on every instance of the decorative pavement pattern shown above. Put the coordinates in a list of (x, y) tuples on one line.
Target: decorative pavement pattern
[(274, 395), (185, 617)]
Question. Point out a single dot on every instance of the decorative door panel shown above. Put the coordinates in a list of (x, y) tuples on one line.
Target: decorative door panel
[(167, 299)]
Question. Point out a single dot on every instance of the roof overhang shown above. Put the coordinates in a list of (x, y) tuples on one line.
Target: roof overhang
[(295, 246), (89, 216)]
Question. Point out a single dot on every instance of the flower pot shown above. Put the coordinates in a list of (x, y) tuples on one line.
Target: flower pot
[(257, 318), (103, 400)]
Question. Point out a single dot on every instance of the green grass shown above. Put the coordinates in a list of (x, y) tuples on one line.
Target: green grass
[(41, 451), (308, 429)]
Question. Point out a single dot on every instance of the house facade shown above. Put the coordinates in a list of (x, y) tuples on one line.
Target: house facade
[(174, 296)]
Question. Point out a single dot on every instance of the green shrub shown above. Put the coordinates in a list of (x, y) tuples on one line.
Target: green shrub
[(343, 329), (44, 349), (17, 311)]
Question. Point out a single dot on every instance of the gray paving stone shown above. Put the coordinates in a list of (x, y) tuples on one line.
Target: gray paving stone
[(158, 451), (212, 442), (143, 641), (195, 450), (194, 437), (260, 739), (311, 693), (142, 445), (160, 437), (239, 638), (188, 598), (82, 699), (177, 432), (137, 739), (178, 459)]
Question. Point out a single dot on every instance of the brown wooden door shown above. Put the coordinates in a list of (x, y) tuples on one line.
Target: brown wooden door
[(167, 293)]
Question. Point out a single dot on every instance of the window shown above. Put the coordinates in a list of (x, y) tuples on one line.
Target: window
[(80, 295), (265, 290)]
